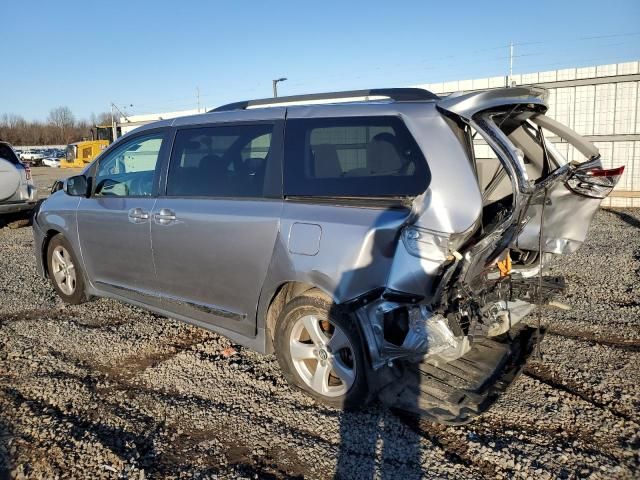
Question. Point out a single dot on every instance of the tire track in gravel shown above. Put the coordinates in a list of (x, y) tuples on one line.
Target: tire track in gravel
[(278, 426), (39, 314), (119, 378), (497, 427), (133, 365), (123, 442), (542, 373), (614, 342), (455, 449), (128, 443)]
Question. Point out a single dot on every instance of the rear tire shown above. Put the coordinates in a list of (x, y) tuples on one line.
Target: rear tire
[(319, 350), (65, 271)]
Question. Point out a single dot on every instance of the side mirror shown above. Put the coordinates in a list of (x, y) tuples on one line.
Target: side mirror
[(77, 186)]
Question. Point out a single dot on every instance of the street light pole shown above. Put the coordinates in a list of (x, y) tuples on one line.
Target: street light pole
[(275, 86)]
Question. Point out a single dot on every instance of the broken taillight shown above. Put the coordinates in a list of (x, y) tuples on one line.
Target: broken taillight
[(595, 182)]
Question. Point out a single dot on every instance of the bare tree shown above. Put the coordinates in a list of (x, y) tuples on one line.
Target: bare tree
[(101, 119), (62, 118), (59, 129), (104, 118)]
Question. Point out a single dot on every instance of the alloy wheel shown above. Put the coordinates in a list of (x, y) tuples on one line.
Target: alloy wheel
[(322, 355), (63, 270)]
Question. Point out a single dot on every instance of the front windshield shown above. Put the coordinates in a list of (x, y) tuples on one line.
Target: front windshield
[(103, 133)]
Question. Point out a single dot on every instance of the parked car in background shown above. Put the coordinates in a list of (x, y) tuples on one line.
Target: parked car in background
[(17, 191), (362, 242), (53, 161), (32, 156)]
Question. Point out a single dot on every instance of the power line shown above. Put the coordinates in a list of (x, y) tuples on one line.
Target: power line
[(442, 64)]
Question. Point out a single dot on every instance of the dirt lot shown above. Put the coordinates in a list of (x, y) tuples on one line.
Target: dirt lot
[(45, 176), (106, 390)]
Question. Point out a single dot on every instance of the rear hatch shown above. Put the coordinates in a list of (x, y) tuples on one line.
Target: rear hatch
[(531, 179), (570, 205), (9, 179)]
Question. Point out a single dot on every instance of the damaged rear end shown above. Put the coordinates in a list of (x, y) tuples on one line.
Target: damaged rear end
[(446, 335)]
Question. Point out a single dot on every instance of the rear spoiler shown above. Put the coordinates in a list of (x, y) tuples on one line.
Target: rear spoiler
[(466, 105)]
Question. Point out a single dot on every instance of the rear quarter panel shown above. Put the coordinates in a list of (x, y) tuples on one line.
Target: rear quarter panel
[(355, 248)]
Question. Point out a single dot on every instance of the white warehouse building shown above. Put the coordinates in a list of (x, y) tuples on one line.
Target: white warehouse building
[(600, 102)]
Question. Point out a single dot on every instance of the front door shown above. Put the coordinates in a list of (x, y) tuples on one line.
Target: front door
[(214, 232), (114, 223)]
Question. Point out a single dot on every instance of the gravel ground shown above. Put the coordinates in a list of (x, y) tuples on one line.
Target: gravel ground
[(105, 390)]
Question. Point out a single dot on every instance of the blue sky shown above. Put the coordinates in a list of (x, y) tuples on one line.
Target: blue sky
[(154, 54)]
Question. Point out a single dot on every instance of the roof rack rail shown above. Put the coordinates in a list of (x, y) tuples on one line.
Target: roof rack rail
[(395, 94)]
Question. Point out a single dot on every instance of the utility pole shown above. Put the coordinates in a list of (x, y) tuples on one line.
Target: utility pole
[(198, 97), (114, 130), (113, 121), (510, 64), (275, 86)]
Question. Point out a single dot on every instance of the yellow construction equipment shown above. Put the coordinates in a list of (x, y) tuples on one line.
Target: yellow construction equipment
[(81, 153)]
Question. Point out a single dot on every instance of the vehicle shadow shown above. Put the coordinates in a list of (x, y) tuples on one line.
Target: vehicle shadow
[(6, 464), (625, 217), (16, 220), (374, 441)]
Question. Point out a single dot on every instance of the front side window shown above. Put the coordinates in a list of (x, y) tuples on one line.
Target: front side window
[(221, 161), (353, 157), (129, 170)]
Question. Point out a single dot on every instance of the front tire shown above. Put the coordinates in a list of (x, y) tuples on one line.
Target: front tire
[(65, 271), (320, 352)]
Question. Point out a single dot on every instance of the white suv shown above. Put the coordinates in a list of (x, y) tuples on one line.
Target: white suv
[(17, 191)]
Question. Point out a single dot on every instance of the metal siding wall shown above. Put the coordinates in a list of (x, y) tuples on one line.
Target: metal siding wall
[(637, 107), (551, 101), (623, 155), (604, 109), (633, 168), (634, 173), (585, 109), (565, 106), (625, 113)]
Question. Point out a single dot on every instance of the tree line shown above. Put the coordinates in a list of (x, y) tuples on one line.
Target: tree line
[(60, 128)]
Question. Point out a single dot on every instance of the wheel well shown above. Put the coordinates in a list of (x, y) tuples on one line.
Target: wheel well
[(285, 293), (45, 245)]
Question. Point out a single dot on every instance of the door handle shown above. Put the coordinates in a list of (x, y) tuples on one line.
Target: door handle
[(164, 216), (137, 215)]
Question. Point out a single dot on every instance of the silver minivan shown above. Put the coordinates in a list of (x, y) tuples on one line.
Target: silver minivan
[(356, 235)]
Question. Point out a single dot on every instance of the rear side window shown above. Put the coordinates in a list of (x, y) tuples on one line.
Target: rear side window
[(221, 161), (7, 153), (353, 157)]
